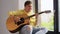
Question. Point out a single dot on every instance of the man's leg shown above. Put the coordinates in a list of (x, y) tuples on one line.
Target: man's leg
[(42, 31), (39, 30), (27, 29)]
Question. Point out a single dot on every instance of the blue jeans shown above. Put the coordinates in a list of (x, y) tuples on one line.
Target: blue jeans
[(27, 29), (35, 30)]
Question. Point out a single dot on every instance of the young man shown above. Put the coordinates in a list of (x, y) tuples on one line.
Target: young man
[(28, 29)]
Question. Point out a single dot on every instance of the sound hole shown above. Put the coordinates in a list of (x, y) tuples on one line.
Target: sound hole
[(20, 21)]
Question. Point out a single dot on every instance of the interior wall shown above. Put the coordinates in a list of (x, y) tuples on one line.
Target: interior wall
[(21, 4), (5, 7)]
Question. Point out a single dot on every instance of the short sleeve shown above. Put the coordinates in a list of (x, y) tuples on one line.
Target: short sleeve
[(12, 12)]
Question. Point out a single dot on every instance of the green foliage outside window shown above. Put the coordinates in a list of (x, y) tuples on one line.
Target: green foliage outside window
[(49, 25)]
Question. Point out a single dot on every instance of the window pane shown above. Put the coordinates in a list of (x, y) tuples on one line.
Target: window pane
[(47, 19)]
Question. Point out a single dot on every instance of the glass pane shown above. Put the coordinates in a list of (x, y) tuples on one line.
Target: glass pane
[(47, 20)]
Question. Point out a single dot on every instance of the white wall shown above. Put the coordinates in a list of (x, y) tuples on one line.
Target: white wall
[(5, 6), (59, 13), (21, 4)]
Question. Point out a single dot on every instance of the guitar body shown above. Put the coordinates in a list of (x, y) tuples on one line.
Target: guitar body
[(14, 27)]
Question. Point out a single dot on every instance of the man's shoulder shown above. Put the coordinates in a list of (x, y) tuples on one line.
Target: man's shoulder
[(21, 10), (16, 12)]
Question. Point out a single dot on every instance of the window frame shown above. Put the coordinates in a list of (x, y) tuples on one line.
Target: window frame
[(55, 7)]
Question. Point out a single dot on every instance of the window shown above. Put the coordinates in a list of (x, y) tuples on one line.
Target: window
[(47, 20)]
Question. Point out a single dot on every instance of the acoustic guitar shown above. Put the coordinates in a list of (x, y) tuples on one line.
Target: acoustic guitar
[(16, 22)]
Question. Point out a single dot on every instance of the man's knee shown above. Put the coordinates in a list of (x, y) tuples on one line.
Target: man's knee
[(27, 29)]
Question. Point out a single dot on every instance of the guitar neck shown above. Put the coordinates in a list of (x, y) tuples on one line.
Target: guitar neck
[(48, 11), (35, 14)]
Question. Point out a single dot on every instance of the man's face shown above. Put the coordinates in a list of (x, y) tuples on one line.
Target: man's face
[(28, 7)]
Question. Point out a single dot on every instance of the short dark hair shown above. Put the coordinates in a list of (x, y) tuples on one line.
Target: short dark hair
[(27, 3)]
